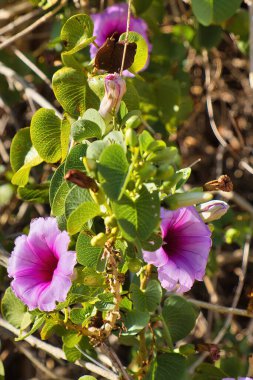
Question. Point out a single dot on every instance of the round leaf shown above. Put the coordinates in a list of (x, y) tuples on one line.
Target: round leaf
[(141, 55), (113, 168), (12, 309), (91, 124), (179, 316), (214, 11), (23, 156), (77, 33), (87, 255), (46, 134), (72, 91)]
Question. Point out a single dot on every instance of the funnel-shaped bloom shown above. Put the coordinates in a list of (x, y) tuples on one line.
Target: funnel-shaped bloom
[(113, 20), (115, 88), (183, 256), (41, 265)]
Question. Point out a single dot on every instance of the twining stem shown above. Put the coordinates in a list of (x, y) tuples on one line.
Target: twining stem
[(126, 38), (130, 170)]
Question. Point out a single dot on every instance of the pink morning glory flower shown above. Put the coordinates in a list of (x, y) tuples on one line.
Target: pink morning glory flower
[(113, 20), (115, 88), (182, 258), (41, 265)]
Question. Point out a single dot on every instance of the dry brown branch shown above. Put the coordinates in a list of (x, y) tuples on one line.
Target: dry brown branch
[(16, 80), (221, 309), (33, 26), (237, 295), (58, 353)]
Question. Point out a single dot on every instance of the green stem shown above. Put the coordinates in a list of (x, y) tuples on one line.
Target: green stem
[(130, 170)]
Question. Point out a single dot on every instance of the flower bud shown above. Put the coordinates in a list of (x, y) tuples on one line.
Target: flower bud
[(186, 199), (212, 210), (115, 88)]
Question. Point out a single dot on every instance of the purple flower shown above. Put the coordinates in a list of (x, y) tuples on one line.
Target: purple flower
[(113, 20), (183, 256), (41, 265), (115, 88)]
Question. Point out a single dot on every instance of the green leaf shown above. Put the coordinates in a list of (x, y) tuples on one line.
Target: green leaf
[(141, 6), (75, 197), (46, 134), (73, 92), (139, 218), (145, 139), (75, 159), (86, 377), (85, 212), (34, 193), (208, 36), (87, 255), (91, 124), (12, 308), (168, 366), (141, 55), (78, 315), (214, 11), (135, 321), (65, 136), (50, 327), (179, 316), (131, 97), (56, 182), (149, 299), (168, 97), (77, 33), (58, 205), (72, 354), (105, 302), (113, 168), (71, 338), (36, 325), (23, 156), (208, 371)]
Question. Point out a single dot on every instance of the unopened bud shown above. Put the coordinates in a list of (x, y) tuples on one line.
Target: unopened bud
[(186, 199), (167, 154), (131, 137), (147, 171), (212, 210), (115, 88), (165, 172)]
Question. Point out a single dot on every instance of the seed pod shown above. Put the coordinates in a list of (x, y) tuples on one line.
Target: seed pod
[(134, 265), (110, 221), (165, 172), (99, 240), (156, 146), (165, 155), (147, 171), (131, 137), (186, 199), (133, 122)]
